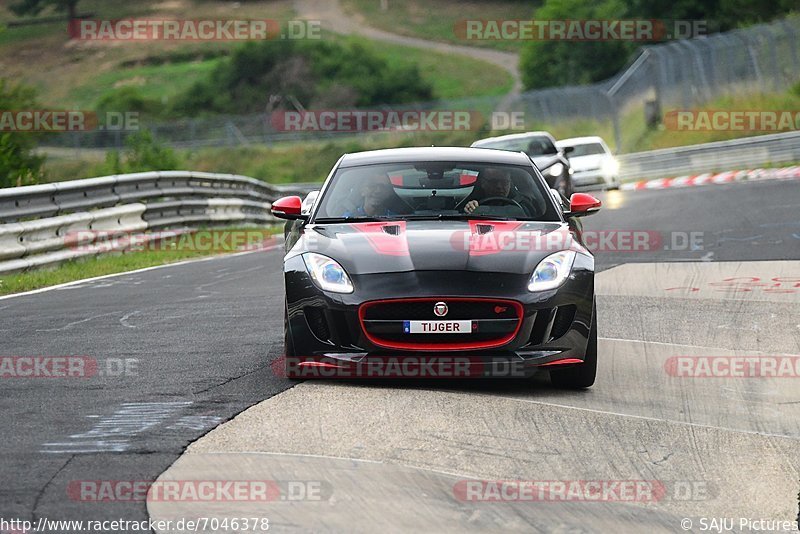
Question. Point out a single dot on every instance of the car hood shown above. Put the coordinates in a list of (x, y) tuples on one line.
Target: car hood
[(471, 245)]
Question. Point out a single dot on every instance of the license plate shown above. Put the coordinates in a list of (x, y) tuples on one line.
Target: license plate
[(439, 327)]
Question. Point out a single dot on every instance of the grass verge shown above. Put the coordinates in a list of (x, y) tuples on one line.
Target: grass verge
[(122, 262)]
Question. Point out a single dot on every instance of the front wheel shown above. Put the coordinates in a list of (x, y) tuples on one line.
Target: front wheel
[(581, 375)]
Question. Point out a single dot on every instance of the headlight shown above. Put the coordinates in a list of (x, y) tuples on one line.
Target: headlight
[(557, 169), (610, 167), (327, 274), (552, 271)]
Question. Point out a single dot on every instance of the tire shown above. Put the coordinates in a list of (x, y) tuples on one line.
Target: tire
[(582, 375)]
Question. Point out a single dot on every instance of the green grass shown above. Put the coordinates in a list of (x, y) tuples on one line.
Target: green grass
[(310, 161), (161, 82), (663, 138), (110, 264), (452, 75), (435, 20), (22, 34), (100, 9), (636, 136), (68, 73)]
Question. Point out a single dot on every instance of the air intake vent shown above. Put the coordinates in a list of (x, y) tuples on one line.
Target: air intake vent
[(392, 229), (563, 321), (485, 229), (318, 323)]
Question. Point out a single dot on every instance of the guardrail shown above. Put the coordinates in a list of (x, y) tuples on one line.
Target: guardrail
[(743, 153), (38, 224)]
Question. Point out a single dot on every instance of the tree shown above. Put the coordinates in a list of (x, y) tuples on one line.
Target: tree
[(549, 63), (34, 7), (18, 163)]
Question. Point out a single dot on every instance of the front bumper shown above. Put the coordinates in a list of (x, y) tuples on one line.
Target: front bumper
[(592, 178), (329, 334)]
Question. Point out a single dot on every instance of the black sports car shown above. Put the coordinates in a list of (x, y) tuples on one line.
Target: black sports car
[(421, 255)]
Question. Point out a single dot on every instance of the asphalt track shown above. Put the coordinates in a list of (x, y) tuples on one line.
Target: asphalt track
[(391, 456)]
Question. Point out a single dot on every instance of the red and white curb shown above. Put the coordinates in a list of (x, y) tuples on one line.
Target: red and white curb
[(715, 178)]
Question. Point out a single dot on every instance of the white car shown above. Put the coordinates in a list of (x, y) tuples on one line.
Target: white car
[(592, 163)]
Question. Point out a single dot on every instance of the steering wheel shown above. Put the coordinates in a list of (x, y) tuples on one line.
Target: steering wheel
[(502, 200)]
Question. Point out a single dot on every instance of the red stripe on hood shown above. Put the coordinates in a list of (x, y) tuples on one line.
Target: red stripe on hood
[(383, 242)]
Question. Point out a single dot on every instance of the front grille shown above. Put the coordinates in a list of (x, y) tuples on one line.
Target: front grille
[(497, 322), (405, 310)]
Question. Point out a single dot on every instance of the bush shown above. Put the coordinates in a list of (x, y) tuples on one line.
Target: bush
[(316, 73), (127, 99), (143, 154), (795, 89), (18, 164)]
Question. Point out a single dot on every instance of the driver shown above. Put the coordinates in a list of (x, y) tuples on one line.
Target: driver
[(492, 182), (378, 198)]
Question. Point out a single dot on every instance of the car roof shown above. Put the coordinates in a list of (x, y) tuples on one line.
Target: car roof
[(580, 140), (411, 154), (511, 137)]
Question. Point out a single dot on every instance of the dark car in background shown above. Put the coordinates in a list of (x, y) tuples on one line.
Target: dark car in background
[(542, 149), (391, 262)]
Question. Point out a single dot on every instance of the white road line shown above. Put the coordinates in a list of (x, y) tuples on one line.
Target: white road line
[(73, 323), (124, 320), (669, 344), (641, 417), (189, 453)]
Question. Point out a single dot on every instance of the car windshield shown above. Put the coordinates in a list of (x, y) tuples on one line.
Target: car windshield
[(588, 149), (435, 190), (538, 145)]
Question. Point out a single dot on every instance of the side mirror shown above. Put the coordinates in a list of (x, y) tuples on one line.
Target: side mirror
[(581, 204), (288, 208), (568, 150)]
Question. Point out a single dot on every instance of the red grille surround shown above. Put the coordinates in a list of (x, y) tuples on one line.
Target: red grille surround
[(449, 345)]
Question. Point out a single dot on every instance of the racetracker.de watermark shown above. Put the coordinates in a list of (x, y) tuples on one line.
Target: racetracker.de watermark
[(170, 240), (577, 30), (66, 367), (429, 366), (142, 29), (516, 239), (782, 366), (51, 120), (748, 120), (350, 121), (116, 491), (647, 491)]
